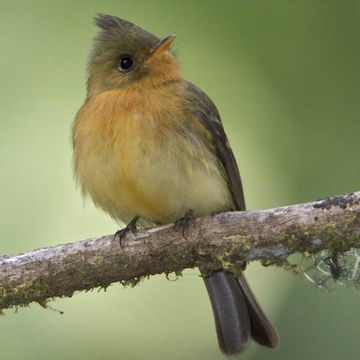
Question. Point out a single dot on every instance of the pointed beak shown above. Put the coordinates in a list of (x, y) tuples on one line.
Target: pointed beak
[(163, 45)]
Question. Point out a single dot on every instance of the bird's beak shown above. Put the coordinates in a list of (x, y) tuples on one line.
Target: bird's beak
[(163, 45)]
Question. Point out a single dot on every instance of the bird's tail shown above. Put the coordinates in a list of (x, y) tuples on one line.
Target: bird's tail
[(237, 314)]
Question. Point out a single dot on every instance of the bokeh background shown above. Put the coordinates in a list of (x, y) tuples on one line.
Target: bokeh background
[(285, 76)]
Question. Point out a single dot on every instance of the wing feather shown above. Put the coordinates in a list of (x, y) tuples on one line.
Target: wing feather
[(205, 110)]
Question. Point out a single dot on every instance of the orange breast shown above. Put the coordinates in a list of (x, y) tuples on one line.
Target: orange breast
[(131, 158)]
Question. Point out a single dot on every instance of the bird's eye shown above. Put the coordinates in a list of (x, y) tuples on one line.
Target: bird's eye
[(126, 63)]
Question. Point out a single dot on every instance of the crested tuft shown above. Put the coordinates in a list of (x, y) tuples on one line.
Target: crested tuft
[(107, 22)]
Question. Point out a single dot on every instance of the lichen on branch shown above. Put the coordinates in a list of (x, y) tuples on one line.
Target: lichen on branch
[(226, 240)]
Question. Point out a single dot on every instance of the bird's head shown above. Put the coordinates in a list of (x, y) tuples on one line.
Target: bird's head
[(124, 55)]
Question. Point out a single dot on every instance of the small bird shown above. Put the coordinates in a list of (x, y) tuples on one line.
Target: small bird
[(150, 146)]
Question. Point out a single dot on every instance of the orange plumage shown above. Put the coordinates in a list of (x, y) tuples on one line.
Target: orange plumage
[(130, 155)]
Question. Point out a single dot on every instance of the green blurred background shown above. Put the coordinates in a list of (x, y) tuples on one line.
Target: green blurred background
[(285, 76)]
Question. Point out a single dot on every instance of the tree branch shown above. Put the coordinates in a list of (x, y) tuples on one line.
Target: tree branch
[(225, 240)]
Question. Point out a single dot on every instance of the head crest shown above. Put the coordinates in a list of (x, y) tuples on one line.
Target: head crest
[(107, 22)]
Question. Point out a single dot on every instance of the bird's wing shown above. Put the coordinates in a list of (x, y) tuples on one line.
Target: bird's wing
[(232, 329), (205, 110)]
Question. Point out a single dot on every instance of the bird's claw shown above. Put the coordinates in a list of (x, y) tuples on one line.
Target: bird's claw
[(130, 227), (182, 223)]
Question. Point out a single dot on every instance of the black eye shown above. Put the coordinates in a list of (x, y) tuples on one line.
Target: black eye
[(125, 63)]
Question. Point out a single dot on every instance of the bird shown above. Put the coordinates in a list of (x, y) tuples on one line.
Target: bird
[(150, 149)]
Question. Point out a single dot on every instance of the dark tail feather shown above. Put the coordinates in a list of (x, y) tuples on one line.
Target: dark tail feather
[(230, 311), (262, 331), (237, 313)]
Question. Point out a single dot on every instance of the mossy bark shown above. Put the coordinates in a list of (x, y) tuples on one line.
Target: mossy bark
[(227, 240)]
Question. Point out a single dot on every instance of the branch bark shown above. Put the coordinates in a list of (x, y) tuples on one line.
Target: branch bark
[(225, 240)]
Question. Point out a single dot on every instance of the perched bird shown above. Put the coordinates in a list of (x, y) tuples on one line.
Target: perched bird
[(150, 145)]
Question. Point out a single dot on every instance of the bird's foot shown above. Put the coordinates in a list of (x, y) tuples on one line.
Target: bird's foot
[(182, 223), (130, 227)]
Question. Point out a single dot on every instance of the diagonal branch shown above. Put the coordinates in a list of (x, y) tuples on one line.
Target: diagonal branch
[(225, 240)]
